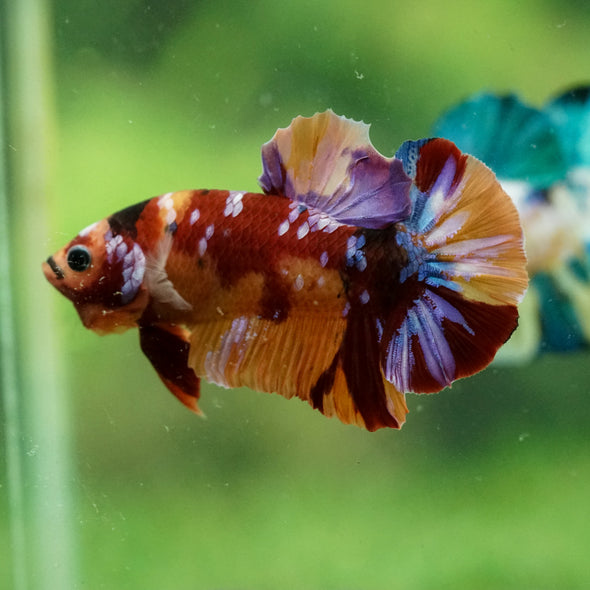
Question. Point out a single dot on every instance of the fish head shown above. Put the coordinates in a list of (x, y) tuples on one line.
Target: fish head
[(101, 272)]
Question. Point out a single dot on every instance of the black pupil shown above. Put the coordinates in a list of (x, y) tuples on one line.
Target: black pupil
[(79, 258)]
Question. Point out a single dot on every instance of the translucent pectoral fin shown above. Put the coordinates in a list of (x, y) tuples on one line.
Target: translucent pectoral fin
[(167, 348)]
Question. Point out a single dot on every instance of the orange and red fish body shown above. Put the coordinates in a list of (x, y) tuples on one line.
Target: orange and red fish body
[(351, 280)]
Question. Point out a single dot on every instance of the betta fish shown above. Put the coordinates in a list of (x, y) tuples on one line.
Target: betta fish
[(542, 159), (351, 279)]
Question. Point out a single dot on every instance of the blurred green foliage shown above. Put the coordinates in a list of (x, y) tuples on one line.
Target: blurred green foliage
[(486, 485)]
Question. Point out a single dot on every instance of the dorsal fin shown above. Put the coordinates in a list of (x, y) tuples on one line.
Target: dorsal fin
[(328, 163)]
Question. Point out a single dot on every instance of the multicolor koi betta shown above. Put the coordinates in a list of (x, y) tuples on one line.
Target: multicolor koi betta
[(542, 159), (351, 280)]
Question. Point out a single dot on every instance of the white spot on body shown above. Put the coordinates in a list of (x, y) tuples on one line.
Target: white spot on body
[(293, 215), (233, 204), (365, 297), (379, 329), (133, 272), (324, 259), (299, 282), (128, 258), (88, 229), (237, 208), (202, 247), (332, 226), (170, 216), (321, 281), (323, 222), (302, 230), (355, 255), (166, 202), (209, 231), (195, 216), (121, 251), (284, 227), (111, 244), (320, 221)]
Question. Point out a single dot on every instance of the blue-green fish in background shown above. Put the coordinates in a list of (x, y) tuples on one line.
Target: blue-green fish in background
[(542, 159)]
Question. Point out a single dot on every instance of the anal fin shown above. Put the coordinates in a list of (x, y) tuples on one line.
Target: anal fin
[(285, 357), (330, 362), (355, 386)]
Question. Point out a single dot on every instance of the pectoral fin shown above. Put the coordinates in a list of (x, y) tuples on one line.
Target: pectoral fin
[(167, 348)]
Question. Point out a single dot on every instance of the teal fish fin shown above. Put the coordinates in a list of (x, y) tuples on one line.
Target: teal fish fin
[(517, 141)]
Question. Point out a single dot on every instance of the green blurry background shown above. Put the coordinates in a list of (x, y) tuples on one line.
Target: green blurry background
[(487, 485)]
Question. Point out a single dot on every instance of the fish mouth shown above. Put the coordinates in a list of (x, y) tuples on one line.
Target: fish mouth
[(59, 273)]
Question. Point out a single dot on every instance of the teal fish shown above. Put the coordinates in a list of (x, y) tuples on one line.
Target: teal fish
[(542, 159)]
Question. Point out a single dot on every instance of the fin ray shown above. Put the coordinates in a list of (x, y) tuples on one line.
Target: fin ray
[(265, 355), (316, 359)]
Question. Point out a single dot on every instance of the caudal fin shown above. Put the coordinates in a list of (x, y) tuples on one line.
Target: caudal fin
[(466, 270)]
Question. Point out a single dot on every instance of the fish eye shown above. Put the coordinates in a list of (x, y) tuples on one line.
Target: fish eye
[(79, 258)]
